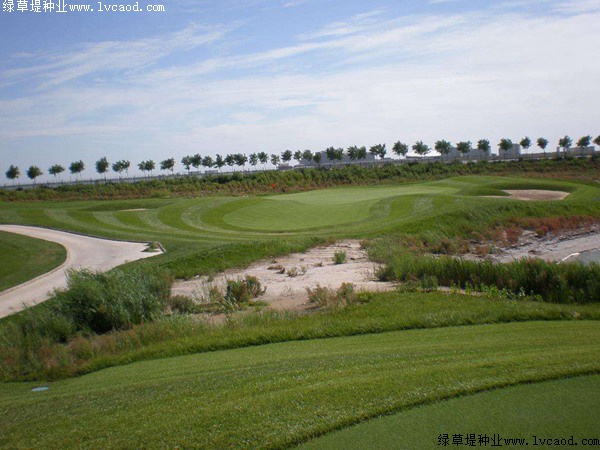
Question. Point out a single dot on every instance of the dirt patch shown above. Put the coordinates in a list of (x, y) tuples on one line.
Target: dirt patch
[(532, 195), (307, 269)]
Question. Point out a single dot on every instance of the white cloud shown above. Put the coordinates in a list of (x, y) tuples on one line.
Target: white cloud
[(373, 79)]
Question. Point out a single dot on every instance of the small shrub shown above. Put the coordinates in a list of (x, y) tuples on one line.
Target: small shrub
[(328, 298), (339, 257), (183, 305), (293, 272)]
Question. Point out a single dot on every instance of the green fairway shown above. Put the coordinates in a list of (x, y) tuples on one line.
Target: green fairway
[(558, 409), (189, 228), (24, 258), (281, 394)]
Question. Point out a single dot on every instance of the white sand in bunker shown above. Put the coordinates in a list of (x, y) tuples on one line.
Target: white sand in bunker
[(289, 292), (532, 195)]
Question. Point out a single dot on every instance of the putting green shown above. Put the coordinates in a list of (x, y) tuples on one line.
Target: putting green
[(558, 409), (324, 208)]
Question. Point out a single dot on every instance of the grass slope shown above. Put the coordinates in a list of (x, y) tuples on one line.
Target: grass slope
[(282, 394), (24, 258), (550, 410)]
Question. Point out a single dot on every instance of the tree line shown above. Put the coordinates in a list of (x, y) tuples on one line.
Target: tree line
[(354, 153)]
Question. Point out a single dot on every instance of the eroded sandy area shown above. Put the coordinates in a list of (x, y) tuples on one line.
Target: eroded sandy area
[(289, 292), (562, 247)]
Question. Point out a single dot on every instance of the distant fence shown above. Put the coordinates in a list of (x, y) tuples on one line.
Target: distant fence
[(587, 152)]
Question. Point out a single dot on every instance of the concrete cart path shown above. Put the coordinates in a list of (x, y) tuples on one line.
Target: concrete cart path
[(82, 252)]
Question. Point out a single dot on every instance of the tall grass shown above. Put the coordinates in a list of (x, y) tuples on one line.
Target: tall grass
[(179, 335), (93, 303), (550, 281)]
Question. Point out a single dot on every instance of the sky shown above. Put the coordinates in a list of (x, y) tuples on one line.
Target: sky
[(234, 76)]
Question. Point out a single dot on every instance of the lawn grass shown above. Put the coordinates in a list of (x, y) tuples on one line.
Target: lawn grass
[(558, 409), (191, 228), (24, 258), (282, 394)]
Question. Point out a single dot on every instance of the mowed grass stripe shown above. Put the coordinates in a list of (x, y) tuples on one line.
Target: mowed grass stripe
[(281, 394), (555, 409)]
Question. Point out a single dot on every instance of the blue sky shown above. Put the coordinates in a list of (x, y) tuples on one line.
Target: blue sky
[(268, 75)]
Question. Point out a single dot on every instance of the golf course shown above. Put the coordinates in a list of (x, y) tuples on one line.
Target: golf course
[(377, 365)]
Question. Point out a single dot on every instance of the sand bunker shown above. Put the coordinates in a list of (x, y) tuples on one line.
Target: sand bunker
[(314, 267), (532, 195), (82, 252)]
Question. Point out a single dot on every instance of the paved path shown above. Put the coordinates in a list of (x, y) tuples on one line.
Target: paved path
[(82, 252)]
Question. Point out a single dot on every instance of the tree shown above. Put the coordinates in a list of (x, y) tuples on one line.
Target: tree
[(543, 144), (168, 164), (362, 153), (420, 148), (353, 153), (330, 152), (298, 156), (13, 173), (102, 166), (525, 143), (187, 163), (55, 170), (597, 140), (230, 160), (317, 158), (286, 156), (240, 159), (378, 150), (33, 172), (307, 155), (208, 162), (483, 145), (565, 143), (505, 145), (219, 162), (147, 166), (442, 147), (275, 159), (584, 142), (263, 158), (76, 168), (253, 159), (125, 164), (400, 149), (196, 161), (464, 147)]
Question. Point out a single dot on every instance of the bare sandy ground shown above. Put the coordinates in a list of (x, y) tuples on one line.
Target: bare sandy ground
[(551, 248), (82, 252), (287, 292), (532, 195)]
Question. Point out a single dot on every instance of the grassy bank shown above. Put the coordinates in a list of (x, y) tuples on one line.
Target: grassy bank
[(558, 409), (180, 335), (24, 258), (282, 394)]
